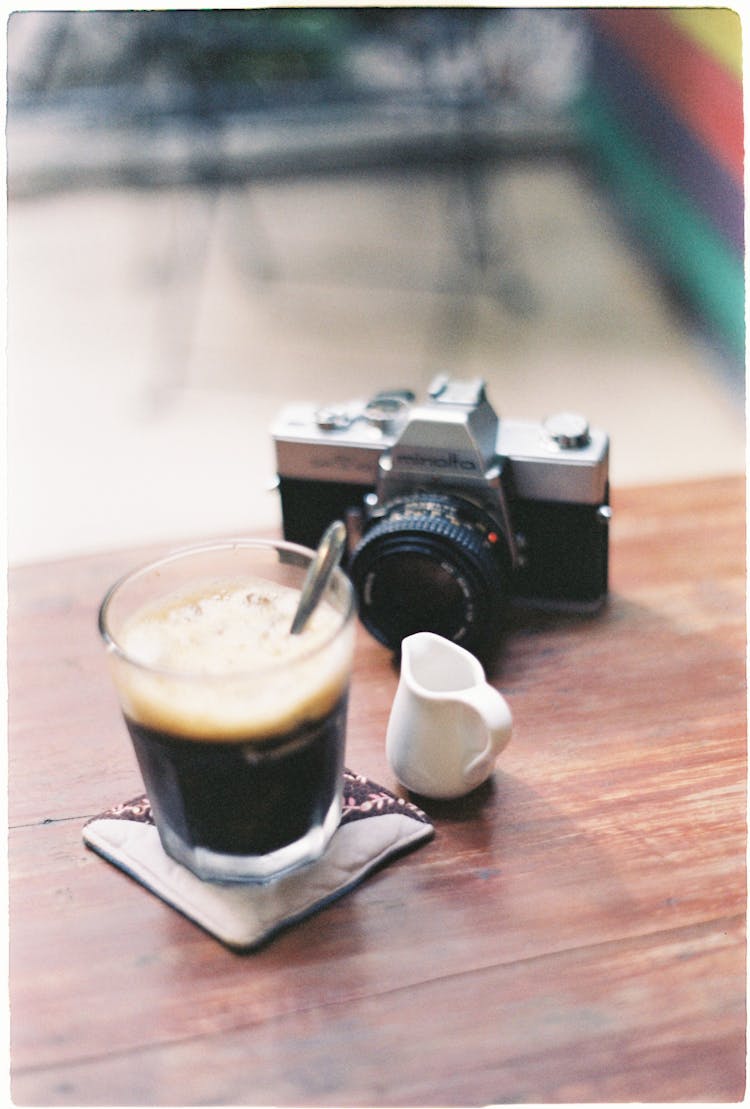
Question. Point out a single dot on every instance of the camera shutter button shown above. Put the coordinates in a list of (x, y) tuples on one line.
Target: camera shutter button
[(569, 430)]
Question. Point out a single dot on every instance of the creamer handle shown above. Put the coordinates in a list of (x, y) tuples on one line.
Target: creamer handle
[(492, 709)]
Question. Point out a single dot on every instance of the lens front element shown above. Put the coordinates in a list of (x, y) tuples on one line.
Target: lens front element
[(432, 563)]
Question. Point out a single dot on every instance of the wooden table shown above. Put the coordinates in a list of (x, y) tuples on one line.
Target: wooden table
[(574, 932)]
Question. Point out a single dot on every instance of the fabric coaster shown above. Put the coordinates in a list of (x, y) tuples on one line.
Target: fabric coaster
[(375, 826)]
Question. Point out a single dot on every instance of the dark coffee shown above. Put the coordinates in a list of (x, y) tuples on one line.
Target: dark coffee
[(243, 798), (238, 726)]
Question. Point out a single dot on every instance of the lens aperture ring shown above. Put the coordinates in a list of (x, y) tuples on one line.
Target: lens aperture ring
[(424, 550)]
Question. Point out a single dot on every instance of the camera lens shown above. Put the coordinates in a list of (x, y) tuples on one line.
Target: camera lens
[(432, 563)]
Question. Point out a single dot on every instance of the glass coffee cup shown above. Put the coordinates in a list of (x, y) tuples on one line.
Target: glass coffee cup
[(237, 725)]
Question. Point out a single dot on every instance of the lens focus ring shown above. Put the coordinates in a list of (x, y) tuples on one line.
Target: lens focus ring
[(432, 563)]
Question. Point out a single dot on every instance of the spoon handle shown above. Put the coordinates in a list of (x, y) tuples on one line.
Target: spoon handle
[(327, 558)]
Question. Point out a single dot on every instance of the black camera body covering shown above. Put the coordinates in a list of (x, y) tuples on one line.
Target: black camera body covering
[(450, 511)]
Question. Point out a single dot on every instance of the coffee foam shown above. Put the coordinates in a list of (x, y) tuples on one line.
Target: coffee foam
[(216, 661)]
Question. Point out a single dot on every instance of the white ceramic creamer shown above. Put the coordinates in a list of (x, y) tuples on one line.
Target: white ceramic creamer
[(447, 724)]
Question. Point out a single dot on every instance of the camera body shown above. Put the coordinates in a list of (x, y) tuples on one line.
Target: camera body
[(442, 495)]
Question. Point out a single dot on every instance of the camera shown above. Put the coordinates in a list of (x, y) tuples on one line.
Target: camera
[(451, 512)]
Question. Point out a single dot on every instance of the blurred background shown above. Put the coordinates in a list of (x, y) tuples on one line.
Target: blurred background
[(214, 213)]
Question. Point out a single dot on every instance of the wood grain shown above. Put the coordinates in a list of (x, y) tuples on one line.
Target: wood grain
[(574, 932)]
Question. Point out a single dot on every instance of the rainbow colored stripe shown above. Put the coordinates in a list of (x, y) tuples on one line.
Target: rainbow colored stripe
[(663, 118)]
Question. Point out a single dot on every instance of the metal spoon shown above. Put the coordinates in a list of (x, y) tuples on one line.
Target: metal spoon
[(327, 558)]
